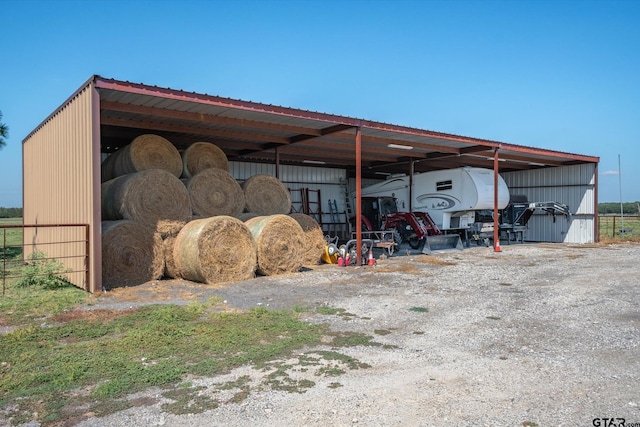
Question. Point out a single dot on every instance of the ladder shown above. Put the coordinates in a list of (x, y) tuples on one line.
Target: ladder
[(347, 201), (333, 210)]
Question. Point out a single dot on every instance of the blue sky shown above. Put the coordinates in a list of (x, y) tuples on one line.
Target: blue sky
[(562, 75)]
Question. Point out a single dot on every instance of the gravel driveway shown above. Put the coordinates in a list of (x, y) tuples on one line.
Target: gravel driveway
[(537, 335)]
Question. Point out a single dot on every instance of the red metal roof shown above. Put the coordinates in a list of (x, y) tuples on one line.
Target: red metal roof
[(251, 131)]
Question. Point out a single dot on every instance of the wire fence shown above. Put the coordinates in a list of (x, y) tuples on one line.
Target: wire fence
[(617, 226), (67, 244)]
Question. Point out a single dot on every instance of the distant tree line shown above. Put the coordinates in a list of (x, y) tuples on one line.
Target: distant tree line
[(628, 208), (10, 212)]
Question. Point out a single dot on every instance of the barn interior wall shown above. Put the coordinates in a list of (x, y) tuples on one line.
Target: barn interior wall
[(571, 185)]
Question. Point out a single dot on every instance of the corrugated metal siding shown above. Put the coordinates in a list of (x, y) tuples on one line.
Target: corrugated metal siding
[(58, 173), (571, 185)]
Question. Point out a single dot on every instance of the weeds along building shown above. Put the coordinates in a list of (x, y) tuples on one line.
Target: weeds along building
[(315, 155)]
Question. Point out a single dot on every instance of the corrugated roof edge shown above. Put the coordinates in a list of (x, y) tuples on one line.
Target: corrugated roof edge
[(107, 83), (332, 118), (64, 104)]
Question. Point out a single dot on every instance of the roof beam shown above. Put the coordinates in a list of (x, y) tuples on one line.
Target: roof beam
[(326, 131), (232, 135), (204, 118)]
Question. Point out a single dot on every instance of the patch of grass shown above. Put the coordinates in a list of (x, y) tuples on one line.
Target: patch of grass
[(280, 379), (381, 331), (418, 332), (22, 305), (112, 357), (188, 401), (348, 361), (419, 309), (335, 311), (74, 363), (42, 271), (529, 424), (505, 284), (493, 317), (351, 339), (334, 385)]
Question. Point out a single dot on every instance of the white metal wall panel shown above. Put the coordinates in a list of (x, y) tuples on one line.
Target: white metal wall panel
[(572, 185), (58, 176)]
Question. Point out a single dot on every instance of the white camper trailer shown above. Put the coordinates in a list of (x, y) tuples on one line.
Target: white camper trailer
[(449, 196)]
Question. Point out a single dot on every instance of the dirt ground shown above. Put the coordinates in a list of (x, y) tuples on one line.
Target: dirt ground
[(537, 335)]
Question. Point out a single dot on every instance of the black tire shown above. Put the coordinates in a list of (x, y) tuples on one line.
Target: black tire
[(414, 242)]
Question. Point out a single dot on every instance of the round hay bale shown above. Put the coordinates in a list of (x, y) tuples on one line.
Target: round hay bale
[(245, 216), (314, 241), (170, 268), (215, 250), (279, 244), (148, 152), (106, 169), (131, 254), (215, 192), (166, 227), (266, 195), (153, 197), (203, 155)]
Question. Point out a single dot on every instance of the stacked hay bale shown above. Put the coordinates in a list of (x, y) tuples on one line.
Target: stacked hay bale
[(131, 254), (154, 197), (279, 244), (215, 250), (313, 238), (266, 195), (144, 152), (203, 155), (215, 192), (185, 214)]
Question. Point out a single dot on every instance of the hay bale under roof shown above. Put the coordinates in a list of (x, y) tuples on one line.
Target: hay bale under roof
[(314, 241), (279, 244), (203, 155), (245, 216), (215, 192), (170, 268), (147, 151), (154, 197), (106, 168), (266, 195), (215, 250), (131, 254)]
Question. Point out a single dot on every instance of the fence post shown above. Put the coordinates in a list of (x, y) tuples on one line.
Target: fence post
[(613, 234)]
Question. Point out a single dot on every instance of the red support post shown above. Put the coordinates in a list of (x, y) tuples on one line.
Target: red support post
[(359, 195), (496, 219)]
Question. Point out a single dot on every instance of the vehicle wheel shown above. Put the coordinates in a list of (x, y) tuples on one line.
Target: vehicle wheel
[(414, 242), (397, 237)]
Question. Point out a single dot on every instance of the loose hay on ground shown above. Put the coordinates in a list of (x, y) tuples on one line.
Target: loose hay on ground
[(279, 243), (131, 254), (215, 250), (266, 195)]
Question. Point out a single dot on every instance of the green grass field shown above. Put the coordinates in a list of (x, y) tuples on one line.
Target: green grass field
[(11, 237), (610, 226)]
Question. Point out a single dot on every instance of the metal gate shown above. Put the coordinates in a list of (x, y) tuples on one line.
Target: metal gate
[(67, 243)]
